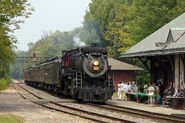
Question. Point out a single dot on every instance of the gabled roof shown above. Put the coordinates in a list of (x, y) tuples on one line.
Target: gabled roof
[(119, 65), (149, 46)]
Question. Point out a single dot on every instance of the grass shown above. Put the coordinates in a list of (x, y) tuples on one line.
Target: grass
[(3, 84), (10, 119)]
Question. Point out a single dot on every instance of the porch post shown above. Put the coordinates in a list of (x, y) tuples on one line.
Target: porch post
[(181, 73), (177, 73)]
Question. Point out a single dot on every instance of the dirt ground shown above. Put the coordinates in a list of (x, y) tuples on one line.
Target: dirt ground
[(12, 103)]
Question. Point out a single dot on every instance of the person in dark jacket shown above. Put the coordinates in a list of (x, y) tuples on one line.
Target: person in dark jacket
[(160, 89)]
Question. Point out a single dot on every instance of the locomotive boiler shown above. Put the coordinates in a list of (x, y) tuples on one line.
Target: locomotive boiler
[(81, 73)]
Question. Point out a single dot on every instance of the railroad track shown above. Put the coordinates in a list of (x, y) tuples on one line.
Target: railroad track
[(97, 117), (140, 113)]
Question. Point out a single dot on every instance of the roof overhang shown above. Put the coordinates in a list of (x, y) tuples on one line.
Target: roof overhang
[(154, 53)]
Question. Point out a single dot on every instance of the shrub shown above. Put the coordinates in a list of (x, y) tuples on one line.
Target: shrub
[(3, 84), (115, 94)]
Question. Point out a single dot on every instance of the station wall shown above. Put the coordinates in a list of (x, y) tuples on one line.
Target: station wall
[(121, 75)]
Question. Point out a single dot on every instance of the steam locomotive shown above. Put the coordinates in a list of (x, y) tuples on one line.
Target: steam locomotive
[(81, 73)]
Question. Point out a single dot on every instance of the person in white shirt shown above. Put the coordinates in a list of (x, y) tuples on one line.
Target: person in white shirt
[(120, 85), (151, 93), (119, 89), (125, 89), (151, 90), (129, 87)]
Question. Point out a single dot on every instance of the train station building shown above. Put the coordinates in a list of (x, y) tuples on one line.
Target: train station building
[(163, 54), (121, 71)]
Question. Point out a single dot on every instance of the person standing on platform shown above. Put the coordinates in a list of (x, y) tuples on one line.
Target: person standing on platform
[(145, 89), (151, 93), (133, 84), (129, 87), (160, 93), (151, 89), (120, 90), (160, 89), (134, 87), (125, 89)]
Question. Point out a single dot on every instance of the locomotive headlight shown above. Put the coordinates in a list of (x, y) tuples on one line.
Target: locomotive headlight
[(96, 63)]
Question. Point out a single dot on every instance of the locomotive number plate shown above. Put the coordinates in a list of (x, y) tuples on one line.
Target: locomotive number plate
[(95, 68)]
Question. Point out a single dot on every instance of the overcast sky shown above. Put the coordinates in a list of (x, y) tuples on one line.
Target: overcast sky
[(51, 15)]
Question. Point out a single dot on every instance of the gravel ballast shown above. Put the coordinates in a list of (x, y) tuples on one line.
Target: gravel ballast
[(12, 103)]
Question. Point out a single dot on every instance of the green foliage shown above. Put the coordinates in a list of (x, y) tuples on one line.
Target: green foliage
[(115, 94), (17, 69), (10, 119), (50, 45), (150, 15), (10, 13), (107, 24), (120, 24), (115, 24), (3, 84)]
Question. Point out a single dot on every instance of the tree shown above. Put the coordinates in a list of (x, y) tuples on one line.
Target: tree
[(17, 69), (51, 44), (120, 24), (106, 24), (10, 11), (150, 15)]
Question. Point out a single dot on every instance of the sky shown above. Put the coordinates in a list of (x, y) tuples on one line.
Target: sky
[(50, 15)]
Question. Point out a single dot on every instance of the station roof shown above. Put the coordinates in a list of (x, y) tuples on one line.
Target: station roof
[(119, 65), (169, 39)]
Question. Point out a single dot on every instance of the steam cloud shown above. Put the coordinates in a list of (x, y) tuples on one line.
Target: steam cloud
[(78, 41)]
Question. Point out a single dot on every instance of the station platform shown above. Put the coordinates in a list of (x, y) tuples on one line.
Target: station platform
[(163, 109)]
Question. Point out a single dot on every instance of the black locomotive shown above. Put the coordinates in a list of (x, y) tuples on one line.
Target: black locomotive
[(81, 73)]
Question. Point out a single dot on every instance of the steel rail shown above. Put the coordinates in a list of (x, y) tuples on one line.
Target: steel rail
[(37, 102), (141, 113), (71, 108)]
